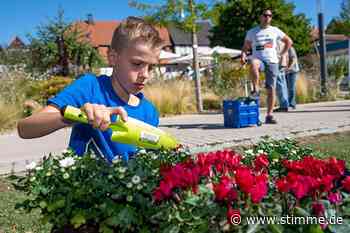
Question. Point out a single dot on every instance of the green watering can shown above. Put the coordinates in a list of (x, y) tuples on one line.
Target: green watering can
[(132, 132)]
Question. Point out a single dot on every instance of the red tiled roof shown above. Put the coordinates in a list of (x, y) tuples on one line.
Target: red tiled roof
[(99, 33), (16, 43), (329, 37)]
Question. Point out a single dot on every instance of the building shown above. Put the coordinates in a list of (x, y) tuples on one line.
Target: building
[(181, 41), (99, 33)]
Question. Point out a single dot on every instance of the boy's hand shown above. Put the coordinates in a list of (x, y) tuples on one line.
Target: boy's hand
[(99, 116)]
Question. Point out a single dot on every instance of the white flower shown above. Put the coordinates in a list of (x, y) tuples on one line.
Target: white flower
[(31, 166), (261, 152), (48, 174), (139, 187), (122, 169), (32, 179), (129, 198), (116, 160), (275, 160), (294, 152), (65, 151), (38, 168), (129, 185), (154, 156), (93, 156), (110, 177), (271, 144), (65, 175), (142, 151), (135, 179), (121, 176), (74, 167), (67, 162), (249, 152)]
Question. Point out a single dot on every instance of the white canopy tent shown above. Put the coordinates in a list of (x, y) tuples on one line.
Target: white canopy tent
[(168, 55)]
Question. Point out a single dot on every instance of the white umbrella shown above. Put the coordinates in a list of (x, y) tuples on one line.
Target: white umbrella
[(224, 50), (189, 59), (168, 55)]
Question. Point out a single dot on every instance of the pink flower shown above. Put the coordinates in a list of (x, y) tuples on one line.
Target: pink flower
[(318, 208), (261, 162), (233, 215), (335, 198), (346, 184), (224, 190), (282, 185)]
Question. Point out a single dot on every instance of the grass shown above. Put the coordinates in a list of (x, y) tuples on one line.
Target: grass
[(15, 221), (337, 145)]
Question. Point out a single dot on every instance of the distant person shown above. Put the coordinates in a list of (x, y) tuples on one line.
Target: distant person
[(135, 49), (291, 76), (262, 40), (281, 84)]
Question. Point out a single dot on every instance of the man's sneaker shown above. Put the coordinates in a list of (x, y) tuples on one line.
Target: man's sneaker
[(270, 120), (280, 110), (254, 94)]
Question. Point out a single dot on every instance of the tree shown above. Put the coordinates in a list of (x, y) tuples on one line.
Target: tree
[(341, 24), (58, 44), (238, 16), (184, 14)]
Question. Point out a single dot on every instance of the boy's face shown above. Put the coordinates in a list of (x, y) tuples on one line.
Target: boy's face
[(134, 65)]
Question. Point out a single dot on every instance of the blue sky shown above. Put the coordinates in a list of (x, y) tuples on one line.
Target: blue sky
[(20, 17)]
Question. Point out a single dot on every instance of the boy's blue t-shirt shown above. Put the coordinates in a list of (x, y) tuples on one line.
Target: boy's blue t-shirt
[(98, 90)]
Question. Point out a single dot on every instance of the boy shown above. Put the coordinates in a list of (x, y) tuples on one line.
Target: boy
[(135, 48)]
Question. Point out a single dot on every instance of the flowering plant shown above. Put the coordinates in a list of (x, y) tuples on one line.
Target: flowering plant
[(175, 191), (90, 195)]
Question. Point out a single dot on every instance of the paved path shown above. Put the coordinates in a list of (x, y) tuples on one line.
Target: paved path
[(202, 132)]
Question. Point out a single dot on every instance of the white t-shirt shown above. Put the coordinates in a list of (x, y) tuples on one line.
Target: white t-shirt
[(264, 42)]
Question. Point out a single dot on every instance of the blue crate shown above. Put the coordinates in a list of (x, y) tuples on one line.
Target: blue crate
[(241, 112)]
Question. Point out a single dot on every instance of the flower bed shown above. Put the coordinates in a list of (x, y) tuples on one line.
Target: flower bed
[(175, 191)]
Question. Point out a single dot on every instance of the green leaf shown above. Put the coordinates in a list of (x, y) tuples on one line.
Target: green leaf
[(252, 228), (315, 229), (172, 229), (192, 200), (105, 229), (301, 212), (78, 220), (274, 228)]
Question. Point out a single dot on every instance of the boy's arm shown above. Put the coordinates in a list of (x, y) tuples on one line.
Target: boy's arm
[(48, 120)]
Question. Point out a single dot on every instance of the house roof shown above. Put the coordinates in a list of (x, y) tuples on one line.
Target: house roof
[(182, 38), (330, 38), (99, 33), (339, 45), (16, 43)]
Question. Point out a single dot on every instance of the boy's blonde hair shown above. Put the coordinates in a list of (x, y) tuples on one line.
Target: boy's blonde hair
[(135, 29)]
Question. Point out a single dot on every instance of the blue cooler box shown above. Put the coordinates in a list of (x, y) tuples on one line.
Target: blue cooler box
[(241, 112)]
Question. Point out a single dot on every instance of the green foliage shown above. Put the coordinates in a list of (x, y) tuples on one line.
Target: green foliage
[(14, 56), (183, 13), (228, 78), (77, 192), (45, 50), (338, 26), (73, 191), (43, 90), (337, 68), (237, 17), (341, 24)]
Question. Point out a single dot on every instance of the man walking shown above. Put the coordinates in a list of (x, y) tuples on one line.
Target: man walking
[(291, 76), (262, 40)]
